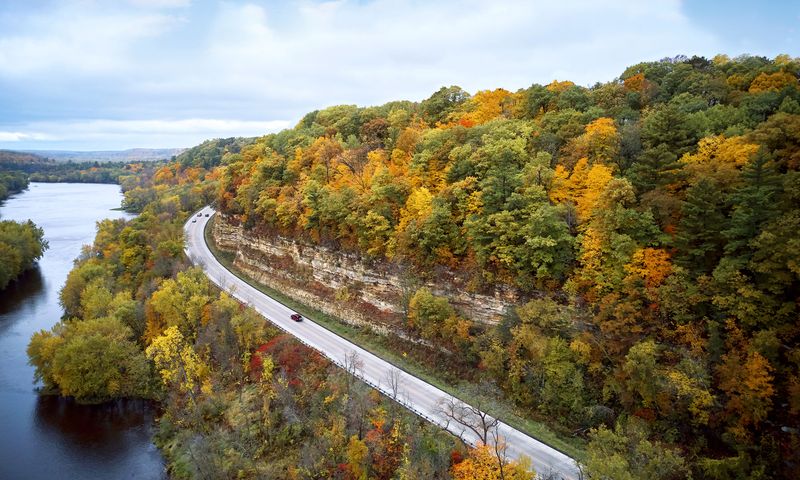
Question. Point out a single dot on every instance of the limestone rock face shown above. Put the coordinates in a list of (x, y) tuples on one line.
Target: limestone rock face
[(344, 285)]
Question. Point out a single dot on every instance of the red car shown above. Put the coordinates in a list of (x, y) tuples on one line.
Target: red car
[(297, 317)]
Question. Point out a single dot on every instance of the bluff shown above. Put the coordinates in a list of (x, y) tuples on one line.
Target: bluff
[(345, 285)]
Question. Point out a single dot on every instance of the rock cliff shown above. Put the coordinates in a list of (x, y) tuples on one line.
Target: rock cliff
[(344, 285)]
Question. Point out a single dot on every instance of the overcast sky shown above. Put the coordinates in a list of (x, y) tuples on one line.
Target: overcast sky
[(115, 74)]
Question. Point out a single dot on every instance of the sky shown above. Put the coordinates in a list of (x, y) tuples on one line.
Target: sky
[(117, 74)]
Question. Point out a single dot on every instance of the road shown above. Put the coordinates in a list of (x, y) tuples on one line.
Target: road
[(418, 396)]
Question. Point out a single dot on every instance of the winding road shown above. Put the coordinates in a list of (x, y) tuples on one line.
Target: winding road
[(418, 396)]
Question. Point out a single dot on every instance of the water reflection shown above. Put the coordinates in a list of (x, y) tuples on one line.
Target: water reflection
[(25, 289), (91, 429)]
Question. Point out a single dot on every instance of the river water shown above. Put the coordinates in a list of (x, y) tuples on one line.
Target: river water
[(46, 437)]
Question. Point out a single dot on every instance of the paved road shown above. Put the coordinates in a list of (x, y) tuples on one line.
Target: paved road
[(422, 398)]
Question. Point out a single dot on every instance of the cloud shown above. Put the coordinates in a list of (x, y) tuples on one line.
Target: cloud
[(190, 125), (161, 3), (73, 41), (252, 61), (110, 134), (356, 52), (21, 136)]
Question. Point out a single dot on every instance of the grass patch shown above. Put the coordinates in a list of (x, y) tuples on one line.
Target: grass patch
[(380, 345)]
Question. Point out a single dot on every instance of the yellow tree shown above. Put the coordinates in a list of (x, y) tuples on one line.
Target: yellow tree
[(484, 463), (560, 186), (719, 158), (772, 82), (178, 302), (602, 140), (404, 148), (582, 187), (600, 143), (164, 175), (354, 172), (596, 180), (486, 105), (652, 265), (748, 382), (324, 154), (357, 454), (635, 83), (691, 389), (558, 87), (610, 234), (177, 363), (419, 206), (95, 300)]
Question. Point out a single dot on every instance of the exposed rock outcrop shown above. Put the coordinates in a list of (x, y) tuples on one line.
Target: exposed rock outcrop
[(345, 285)]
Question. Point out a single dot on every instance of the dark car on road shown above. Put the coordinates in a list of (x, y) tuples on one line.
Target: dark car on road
[(296, 317)]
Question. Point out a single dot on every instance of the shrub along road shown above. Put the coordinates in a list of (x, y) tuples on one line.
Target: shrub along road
[(431, 403)]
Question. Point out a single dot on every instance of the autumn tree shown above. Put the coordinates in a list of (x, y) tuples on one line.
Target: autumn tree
[(177, 363), (747, 380), (484, 106), (435, 318), (482, 464), (627, 453), (21, 244), (178, 302), (91, 360), (600, 143)]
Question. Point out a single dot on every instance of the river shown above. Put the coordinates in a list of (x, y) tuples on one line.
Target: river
[(46, 437)]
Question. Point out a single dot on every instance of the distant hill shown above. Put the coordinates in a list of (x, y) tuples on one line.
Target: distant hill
[(9, 156), (130, 155)]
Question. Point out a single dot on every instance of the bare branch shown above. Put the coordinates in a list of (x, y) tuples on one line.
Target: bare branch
[(353, 365), (477, 421), (393, 381), (500, 448)]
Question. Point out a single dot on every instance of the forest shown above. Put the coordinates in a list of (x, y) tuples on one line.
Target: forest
[(239, 399), (649, 223), (12, 182), (78, 172), (41, 169), (652, 222)]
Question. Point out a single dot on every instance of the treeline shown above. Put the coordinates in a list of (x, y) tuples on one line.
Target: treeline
[(82, 172), (651, 220), (21, 245), (12, 182), (240, 400), (10, 156), (40, 169)]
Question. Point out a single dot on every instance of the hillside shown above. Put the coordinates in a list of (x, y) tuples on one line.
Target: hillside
[(649, 225), (647, 228), (10, 156)]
